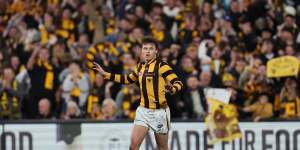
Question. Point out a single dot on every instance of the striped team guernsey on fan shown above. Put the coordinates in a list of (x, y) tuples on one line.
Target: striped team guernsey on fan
[(151, 77)]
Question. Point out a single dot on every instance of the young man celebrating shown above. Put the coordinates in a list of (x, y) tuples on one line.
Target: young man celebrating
[(154, 78)]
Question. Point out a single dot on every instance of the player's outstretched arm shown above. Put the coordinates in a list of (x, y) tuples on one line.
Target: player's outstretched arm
[(124, 79)]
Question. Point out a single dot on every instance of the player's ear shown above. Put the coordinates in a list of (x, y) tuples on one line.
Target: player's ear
[(157, 51)]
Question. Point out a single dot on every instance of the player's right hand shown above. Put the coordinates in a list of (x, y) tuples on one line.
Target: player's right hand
[(168, 88), (98, 68)]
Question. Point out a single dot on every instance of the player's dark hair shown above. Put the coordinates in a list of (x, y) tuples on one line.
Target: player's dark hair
[(150, 40)]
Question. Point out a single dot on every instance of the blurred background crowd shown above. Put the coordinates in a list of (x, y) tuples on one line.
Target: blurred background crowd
[(47, 48)]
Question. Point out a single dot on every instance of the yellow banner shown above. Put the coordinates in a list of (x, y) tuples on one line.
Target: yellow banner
[(283, 67), (222, 122)]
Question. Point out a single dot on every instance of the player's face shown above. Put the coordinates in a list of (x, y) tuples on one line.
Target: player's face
[(149, 51)]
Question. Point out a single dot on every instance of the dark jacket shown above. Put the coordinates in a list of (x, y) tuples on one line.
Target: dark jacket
[(189, 109)]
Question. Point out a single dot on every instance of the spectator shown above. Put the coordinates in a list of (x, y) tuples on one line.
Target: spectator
[(142, 19), (237, 102), (96, 96), (217, 63), (45, 109), (208, 79), (72, 111), (21, 76), (253, 78), (267, 51), (160, 33), (228, 80), (108, 109), (289, 22), (192, 52), (95, 112), (175, 55), (290, 51), (262, 109), (43, 80), (76, 86), (10, 95), (194, 99), (58, 53), (238, 68), (289, 96), (136, 35), (187, 68), (205, 76), (127, 101), (248, 39)]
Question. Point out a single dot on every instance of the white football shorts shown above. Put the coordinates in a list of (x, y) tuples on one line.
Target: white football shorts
[(158, 120)]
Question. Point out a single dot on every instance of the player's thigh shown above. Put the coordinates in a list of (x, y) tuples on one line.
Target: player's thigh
[(161, 141), (138, 134)]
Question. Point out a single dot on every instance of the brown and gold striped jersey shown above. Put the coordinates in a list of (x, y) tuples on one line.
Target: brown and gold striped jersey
[(151, 77)]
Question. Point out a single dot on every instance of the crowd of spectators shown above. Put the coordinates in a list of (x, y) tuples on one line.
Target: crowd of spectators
[(47, 48)]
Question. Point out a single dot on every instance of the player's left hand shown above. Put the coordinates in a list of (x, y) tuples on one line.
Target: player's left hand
[(98, 68)]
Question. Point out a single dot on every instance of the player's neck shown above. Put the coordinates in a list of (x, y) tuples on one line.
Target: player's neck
[(150, 60)]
